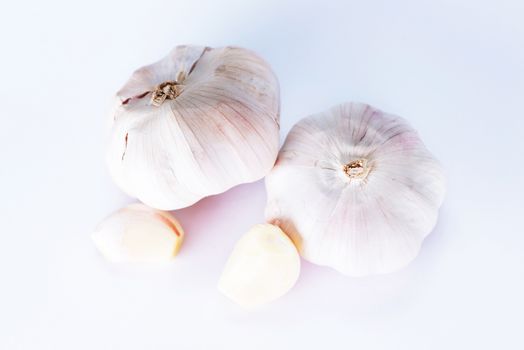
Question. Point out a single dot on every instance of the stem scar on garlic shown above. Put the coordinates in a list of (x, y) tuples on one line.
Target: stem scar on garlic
[(357, 169), (167, 90), (373, 190), (194, 124)]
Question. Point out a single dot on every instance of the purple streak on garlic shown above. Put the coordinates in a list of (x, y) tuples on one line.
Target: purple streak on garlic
[(194, 124), (356, 190)]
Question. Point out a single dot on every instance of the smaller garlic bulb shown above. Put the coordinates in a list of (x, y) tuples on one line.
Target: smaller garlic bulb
[(138, 233), (263, 266), (356, 189)]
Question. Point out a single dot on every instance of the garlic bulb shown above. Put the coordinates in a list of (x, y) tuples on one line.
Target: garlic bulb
[(356, 190), (196, 123), (263, 266), (137, 233)]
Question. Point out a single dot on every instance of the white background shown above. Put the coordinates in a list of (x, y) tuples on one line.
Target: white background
[(455, 69)]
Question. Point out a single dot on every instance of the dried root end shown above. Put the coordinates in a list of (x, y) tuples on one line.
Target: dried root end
[(357, 169), (168, 90)]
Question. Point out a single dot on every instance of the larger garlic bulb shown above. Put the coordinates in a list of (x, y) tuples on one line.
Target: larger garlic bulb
[(356, 190), (196, 123)]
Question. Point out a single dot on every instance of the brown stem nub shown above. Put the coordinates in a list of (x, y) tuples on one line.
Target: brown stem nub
[(357, 169), (168, 90)]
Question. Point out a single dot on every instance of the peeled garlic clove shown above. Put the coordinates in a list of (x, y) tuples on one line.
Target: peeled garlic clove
[(263, 266), (138, 233), (356, 190), (196, 123)]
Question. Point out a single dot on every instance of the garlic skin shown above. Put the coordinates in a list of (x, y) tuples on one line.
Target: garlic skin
[(263, 266), (194, 124), (137, 233), (356, 190)]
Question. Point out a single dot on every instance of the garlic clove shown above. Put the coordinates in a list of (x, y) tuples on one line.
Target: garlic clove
[(263, 266), (194, 124), (138, 233), (356, 190)]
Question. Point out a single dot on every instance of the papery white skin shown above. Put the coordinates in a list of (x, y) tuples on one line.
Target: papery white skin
[(137, 233), (263, 266), (220, 131), (358, 226)]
